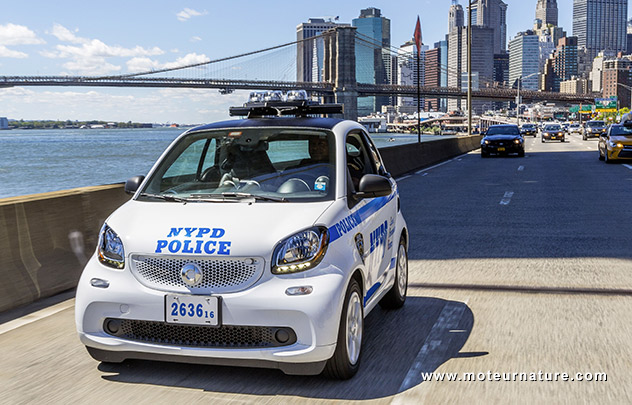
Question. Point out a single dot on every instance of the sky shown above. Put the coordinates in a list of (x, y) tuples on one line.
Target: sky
[(70, 37)]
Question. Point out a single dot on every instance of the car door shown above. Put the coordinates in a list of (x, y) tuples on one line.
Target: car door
[(377, 214)]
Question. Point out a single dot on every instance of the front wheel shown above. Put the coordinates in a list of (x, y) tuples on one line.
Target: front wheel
[(396, 296), (346, 359)]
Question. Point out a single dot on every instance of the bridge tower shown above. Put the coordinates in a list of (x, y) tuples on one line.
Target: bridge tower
[(340, 68)]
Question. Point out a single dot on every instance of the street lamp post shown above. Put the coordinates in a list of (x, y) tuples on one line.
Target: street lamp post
[(518, 96)]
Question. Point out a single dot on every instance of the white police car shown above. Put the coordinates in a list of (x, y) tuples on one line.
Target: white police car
[(261, 242)]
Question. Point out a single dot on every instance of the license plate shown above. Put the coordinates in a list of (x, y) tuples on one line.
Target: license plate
[(192, 310), (501, 149)]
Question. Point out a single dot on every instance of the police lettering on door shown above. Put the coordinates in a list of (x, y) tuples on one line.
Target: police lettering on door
[(194, 240)]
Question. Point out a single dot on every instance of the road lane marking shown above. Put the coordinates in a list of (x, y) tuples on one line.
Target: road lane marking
[(433, 352), (402, 178), (36, 316), (507, 198), (628, 166), (520, 168)]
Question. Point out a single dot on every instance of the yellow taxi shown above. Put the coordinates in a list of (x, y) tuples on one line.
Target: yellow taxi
[(616, 143)]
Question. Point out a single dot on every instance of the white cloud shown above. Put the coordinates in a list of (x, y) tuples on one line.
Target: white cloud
[(64, 34), (143, 64), (195, 39), (187, 13), (12, 34), (89, 56), (8, 53)]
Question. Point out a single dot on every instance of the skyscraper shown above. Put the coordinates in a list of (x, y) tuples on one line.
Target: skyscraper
[(372, 55), (456, 17), (546, 11), (492, 14), (600, 25), (524, 60)]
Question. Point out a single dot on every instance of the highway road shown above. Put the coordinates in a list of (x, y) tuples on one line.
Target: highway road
[(518, 266)]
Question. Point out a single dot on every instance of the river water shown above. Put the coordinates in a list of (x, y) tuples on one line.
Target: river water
[(37, 161)]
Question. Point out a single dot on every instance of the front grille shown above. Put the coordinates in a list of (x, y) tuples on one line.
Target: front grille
[(218, 275), (226, 336)]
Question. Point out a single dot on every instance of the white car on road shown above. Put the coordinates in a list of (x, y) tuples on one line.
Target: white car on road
[(261, 242)]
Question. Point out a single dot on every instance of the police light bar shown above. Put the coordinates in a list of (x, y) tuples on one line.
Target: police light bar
[(299, 108)]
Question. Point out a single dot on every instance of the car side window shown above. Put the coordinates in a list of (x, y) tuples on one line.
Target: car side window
[(359, 161)]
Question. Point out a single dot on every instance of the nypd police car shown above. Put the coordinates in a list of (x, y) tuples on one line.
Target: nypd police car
[(263, 242)]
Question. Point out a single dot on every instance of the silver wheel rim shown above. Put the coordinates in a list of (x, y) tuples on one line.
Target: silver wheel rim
[(402, 270), (354, 328)]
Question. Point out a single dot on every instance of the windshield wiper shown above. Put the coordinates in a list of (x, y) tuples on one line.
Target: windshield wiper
[(234, 195), (170, 198)]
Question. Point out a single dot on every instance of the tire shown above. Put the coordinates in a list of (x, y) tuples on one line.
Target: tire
[(521, 154), (396, 296), (601, 157), (605, 156), (542, 140), (484, 155), (346, 359)]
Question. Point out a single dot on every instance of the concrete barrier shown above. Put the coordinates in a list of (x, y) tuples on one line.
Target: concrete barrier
[(402, 159), (46, 239)]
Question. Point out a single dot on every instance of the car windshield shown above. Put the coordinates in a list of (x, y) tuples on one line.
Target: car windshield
[(528, 126), (260, 164), (574, 125), (595, 123), (552, 128), (621, 130), (503, 130)]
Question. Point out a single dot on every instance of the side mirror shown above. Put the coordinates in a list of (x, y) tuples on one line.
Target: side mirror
[(131, 185), (372, 185)]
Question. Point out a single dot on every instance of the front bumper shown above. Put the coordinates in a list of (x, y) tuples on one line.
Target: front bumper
[(553, 137), (615, 153), (313, 318), (594, 134)]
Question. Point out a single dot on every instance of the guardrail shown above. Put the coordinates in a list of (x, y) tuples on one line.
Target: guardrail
[(46, 239)]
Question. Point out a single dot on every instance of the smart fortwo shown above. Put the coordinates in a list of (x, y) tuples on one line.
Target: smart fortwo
[(263, 242)]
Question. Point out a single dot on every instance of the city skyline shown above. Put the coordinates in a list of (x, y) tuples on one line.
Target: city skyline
[(116, 38)]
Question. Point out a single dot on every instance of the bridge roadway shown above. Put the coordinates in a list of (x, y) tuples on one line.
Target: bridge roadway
[(517, 265)]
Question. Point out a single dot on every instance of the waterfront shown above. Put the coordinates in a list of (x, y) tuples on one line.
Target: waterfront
[(37, 161)]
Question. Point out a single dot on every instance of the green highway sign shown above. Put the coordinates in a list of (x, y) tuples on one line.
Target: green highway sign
[(606, 104)]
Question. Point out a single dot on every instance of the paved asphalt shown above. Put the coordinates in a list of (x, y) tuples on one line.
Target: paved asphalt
[(517, 265)]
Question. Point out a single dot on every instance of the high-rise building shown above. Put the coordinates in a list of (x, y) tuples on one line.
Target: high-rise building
[(310, 54), (524, 60), (456, 17), (492, 14), (407, 72), (372, 55), (546, 12), (600, 25), (482, 63), (432, 75), (562, 65), (616, 72)]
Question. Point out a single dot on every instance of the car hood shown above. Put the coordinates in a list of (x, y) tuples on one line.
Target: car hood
[(227, 228), (501, 137)]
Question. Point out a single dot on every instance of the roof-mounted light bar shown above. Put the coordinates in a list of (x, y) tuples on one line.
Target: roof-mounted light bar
[(275, 103)]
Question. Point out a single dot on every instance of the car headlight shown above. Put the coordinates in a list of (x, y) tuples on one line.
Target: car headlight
[(517, 141), (111, 252), (486, 142), (559, 133), (615, 144), (301, 251)]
